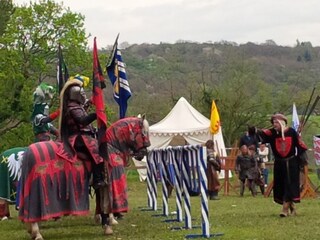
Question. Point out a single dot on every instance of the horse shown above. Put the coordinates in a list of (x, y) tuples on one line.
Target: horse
[(10, 162), (53, 185)]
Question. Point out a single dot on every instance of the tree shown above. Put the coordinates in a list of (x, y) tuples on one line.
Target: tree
[(28, 55), (242, 99), (6, 10)]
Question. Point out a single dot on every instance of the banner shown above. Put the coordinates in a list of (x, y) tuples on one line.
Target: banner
[(295, 118), (118, 77), (316, 149), (98, 101), (62, 70), (214, 119)]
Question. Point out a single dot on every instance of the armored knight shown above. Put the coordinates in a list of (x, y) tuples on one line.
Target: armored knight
[(41, 119), (76, 129)]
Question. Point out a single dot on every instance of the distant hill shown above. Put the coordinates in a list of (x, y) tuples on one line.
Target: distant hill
[(161, 73)]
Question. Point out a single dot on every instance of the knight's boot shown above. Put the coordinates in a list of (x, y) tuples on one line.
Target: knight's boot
[(292, 208), (285, 209), (170, 189), (97, 176), (242, 186), (253, 189), (214, 195), (262, 189)]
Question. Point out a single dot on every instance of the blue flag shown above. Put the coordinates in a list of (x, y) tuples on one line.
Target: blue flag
[(117, 75)]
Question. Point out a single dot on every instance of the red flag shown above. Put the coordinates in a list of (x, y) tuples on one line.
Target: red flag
[(98, 101)]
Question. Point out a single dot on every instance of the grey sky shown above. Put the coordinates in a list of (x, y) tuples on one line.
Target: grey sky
[(240, 21)]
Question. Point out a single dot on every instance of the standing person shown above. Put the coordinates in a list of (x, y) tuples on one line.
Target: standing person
[(290, 158), (246, 168), (250, 138), (213, 169), (263, 152), (76, 129), (259, 180)]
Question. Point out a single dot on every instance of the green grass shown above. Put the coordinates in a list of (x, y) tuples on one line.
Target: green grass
[(246, 218)]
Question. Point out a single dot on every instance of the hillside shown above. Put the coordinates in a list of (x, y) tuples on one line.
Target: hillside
[(275, 76), (168, 71)]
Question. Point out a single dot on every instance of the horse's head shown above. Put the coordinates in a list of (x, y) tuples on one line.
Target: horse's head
[(140, 137), (130, 135)]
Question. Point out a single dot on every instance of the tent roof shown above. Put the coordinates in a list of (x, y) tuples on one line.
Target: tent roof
[(183, 119)]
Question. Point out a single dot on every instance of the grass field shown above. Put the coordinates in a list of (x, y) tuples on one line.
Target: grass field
[(246, 218)]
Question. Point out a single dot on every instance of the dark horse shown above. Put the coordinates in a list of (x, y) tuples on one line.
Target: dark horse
[(53, 186)]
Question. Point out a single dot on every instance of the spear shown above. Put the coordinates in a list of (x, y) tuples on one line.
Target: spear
[(303, 117), (311, 110)]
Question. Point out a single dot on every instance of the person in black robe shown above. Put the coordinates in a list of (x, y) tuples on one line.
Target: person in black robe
[(290, 158)]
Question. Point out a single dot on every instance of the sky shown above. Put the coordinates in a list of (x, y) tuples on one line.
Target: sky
[(169, 21)]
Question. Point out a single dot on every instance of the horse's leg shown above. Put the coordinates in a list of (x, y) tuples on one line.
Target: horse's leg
[(4, 210), (105, 210), (28, 226), (106, 224), (112, 220), (34, 231), (97, 218), (97, 213)]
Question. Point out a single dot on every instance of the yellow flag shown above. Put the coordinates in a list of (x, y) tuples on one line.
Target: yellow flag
[(214, 119)]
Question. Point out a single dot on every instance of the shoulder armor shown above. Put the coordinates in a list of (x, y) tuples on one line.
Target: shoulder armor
[(37, 119)]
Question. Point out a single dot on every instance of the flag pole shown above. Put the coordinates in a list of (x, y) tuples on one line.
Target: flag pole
[(115, 49), (109, 61), (118, 84)]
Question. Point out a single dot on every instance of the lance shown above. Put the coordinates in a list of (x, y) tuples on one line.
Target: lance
[(307, 107), (311, 110)]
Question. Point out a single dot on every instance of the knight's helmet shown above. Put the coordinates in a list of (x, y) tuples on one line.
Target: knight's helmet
[(41, 100), (72, 90), (43, 94), (76, 93), (75, 85)]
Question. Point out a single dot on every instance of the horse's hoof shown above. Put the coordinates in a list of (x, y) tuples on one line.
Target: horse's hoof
[(113, 221), (283, 214), (39, 237), (108, 230), (36, 236)]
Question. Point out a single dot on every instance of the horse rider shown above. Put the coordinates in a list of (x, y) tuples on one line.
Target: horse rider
[(76, 130), (41, 119)]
